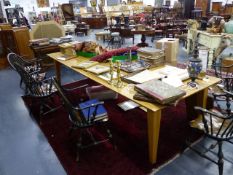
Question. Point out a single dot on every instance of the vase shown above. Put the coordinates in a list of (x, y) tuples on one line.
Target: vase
[(229, 26), (194, 69)]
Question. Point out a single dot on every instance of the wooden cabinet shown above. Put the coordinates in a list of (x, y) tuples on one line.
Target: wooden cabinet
[(204, 5), (17, 40), (216, 7), (95, 23)]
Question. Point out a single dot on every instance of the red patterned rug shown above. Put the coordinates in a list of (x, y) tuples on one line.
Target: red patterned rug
[(130, 132)]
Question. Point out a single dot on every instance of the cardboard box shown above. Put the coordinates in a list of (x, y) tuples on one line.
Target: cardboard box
[(170, 47)]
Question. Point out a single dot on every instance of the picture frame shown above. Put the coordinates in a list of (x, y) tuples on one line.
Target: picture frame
[(42, 3)]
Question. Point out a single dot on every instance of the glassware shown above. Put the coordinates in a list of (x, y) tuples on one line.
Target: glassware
[(194, 67)]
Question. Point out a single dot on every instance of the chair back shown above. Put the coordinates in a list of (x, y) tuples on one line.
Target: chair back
[(14, 58), (74, 115), (36, 88), (225, 72), (216, 125)]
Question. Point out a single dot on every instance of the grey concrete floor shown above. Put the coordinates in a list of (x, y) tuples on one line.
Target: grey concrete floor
[(24, 148)]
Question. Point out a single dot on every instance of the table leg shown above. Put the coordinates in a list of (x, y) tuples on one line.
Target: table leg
[(58, 71), (211, 57), (143, 41), (188, 46), (197, 99), (153, 122)]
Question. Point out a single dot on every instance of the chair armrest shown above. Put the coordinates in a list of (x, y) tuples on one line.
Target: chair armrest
[(228, 92), (205, 111)]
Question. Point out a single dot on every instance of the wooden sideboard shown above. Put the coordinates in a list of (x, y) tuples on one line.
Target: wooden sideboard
[(17, 40), (95, 23), (212, 41)]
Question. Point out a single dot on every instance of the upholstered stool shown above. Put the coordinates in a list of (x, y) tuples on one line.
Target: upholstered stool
[(115, 41), (116, 36), (103, 36), (80, 33)]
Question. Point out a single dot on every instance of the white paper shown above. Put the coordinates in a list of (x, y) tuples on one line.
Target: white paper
[(173, 81), (203, 55), (145, 75), (61, 58), (127, 105), (175, 72)]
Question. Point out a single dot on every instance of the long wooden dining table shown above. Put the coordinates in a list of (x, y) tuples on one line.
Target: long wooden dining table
[(193, 97)]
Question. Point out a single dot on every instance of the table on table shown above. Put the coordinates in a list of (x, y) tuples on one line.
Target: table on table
[(193, 97), (210, 40), (143, 38)]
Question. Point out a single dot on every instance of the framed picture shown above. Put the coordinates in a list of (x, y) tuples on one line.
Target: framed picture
[(42, 3), (113, 2), (79, 3)]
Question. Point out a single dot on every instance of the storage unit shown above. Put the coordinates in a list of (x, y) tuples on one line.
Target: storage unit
[(170, 47), (216, 6), (95, 23), (17, 40)]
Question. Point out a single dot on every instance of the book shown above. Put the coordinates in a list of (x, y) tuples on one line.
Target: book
[(127, 105), (107, 76), (85, 64), (142, 97), (65, 57), (143, 76), (89, 111), (174, 71), (98, 69), (134, 66), (161, 92)]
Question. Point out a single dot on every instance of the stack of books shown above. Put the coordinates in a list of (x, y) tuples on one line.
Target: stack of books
[(158, 91), (39, 42)]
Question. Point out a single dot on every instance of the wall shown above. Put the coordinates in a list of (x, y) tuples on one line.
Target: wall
[(29, 4)]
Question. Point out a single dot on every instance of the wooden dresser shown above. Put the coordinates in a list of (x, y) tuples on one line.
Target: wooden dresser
[(210, 40), (95, 22), (17, 40)]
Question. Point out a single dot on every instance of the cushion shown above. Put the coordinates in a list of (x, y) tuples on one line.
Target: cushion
[(109, 54), (89, 46), (78, 46)]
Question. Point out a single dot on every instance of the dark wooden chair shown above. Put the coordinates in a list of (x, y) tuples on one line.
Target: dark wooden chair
[(41, 91), (225, 73), (216, 126), (32, 66), (84, 117)]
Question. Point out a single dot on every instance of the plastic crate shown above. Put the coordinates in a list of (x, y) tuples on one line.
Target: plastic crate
[(86, 54), (123, 58)]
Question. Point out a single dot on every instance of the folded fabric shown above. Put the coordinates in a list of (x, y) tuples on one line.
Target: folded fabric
[(109, 54)]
